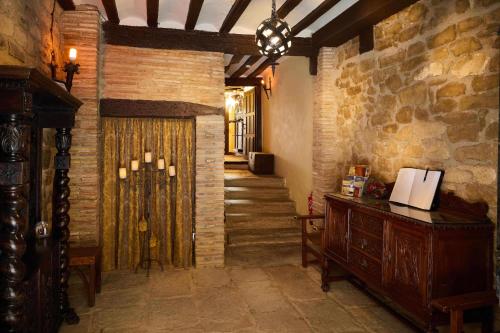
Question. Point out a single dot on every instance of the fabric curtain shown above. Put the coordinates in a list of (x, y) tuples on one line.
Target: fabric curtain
[(148, 196)]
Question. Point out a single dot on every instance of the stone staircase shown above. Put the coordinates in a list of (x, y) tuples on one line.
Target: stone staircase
[(260, 229)]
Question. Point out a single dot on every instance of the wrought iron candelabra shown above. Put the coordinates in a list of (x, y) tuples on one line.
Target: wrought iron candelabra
[(142, 179)]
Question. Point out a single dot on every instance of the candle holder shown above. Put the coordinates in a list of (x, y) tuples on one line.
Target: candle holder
[(142, 177), (70, 68)]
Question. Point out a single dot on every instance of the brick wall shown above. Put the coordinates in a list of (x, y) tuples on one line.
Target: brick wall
[(81, 29), (196, 77), (25, 34), (427, 96)]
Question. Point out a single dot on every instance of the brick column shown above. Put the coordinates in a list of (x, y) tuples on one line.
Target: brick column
[(82, 29)]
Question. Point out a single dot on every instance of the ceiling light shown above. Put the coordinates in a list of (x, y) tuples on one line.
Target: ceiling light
[(273, 37)]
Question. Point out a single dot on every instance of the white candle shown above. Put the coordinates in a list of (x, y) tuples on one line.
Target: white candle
[(148, 157), (72, 54), (171, 171), (134, 165), (161, 164), (122, 173)]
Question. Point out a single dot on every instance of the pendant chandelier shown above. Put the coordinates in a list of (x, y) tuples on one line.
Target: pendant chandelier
[(273, 37)]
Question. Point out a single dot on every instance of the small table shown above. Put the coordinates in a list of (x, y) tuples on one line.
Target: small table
[(90, 256)]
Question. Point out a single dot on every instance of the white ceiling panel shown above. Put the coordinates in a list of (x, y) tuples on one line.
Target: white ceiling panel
[(172, 14), (132, 12), (335, 11), (212, 14), (256, 12)]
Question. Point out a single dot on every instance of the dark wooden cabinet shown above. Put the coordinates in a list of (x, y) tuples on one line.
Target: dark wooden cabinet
[(337, 232), (409, 258), (33, 273)]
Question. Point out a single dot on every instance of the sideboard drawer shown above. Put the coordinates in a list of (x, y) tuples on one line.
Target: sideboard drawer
[(366, 243), (369, 269), (367, 223)]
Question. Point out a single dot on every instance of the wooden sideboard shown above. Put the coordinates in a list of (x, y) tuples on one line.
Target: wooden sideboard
[(33, 273), (409, 257)]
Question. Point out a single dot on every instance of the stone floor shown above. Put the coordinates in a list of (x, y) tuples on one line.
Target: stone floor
[(283, 298)]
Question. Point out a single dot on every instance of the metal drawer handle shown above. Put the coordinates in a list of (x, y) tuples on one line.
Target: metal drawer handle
[(364, 263)]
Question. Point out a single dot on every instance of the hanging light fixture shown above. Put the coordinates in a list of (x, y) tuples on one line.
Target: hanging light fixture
[(273, 37)]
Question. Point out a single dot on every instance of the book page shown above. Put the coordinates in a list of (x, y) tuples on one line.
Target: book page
[(422, 192), (402, 189)]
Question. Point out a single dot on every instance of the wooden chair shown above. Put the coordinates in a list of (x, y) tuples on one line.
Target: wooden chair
[(312, 235), (456, 305), (87, 256)]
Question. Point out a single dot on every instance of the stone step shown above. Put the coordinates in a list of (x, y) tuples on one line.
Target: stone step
[(253, 181), (246, 221), (260, 206), (288, 236), (263, 255), (236, 166), (269, 193)]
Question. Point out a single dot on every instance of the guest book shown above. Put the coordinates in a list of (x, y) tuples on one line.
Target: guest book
[(416, 187)]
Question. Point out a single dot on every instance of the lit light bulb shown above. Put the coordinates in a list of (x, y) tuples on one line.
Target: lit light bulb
[(72, 54)]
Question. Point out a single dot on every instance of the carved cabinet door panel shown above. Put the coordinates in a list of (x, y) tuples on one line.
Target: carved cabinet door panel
[(337, 231), (405, 265)]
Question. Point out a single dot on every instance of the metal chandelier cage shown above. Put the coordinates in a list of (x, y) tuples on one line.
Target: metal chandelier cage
[(273, 36)]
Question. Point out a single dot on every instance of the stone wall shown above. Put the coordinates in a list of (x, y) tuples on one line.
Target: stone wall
[(25, 34), (187, 76), (81, 30), (426, 96)]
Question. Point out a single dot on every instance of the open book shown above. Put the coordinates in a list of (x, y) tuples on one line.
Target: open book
[(416, 187)]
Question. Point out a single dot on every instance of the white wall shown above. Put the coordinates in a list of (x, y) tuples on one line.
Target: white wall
[(287, 126)]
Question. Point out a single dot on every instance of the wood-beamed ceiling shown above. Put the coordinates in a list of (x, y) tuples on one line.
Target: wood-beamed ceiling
[(193, 14), (152, 8), (237, 9), (328, 22), (111, 11)]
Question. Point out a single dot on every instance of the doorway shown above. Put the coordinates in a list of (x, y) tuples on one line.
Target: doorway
[(242, 120)]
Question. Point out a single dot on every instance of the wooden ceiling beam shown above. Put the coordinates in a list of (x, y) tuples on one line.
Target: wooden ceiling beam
[(236, 59), (262, 67), (175, 39), (246, 65), (357, 19), (242, 81), (234, 14), (193, 14), (313, 16), (111, 11), (287, 7), (66, 4), (152, 9)]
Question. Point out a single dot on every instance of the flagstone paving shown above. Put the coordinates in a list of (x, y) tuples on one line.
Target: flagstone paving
[(234, 299)]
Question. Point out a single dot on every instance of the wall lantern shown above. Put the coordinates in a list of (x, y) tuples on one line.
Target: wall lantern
[(267, 89), (273, 37), (71, 68)]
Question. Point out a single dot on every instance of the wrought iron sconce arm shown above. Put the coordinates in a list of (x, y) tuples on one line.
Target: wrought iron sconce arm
[(267, 88)]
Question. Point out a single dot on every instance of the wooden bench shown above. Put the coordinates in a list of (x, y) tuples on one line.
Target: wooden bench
[(456, 305), (87, 256)]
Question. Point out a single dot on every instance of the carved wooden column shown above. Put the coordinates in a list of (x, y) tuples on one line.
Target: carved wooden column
[(61, 219), (14, 194)]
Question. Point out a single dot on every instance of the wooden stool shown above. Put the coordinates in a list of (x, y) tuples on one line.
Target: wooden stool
[(456, 305), (90, 256)]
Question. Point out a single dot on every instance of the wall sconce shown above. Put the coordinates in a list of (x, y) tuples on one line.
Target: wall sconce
[(267, 88), (71, 68)]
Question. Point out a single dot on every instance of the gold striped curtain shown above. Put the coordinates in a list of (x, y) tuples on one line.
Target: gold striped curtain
[(126, 200)]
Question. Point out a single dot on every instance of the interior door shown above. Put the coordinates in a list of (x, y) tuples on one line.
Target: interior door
[(336, 231), (249, 123)]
